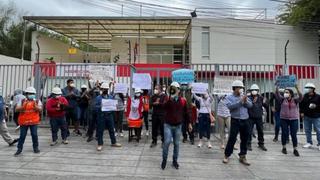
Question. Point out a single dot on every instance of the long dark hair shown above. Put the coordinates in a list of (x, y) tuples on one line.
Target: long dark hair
[(291, 92)]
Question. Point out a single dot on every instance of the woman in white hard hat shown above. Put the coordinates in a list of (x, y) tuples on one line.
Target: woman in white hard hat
[(310, 111), (29, 117), (56, 107), (134, 113)]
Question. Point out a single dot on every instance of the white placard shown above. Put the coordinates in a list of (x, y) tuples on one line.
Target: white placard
[(102, 73), (109, 105), (141, 80), (223, 84), (121, 88), (200, 88)]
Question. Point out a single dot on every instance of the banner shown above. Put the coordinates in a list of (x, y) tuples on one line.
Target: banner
[(121, 88), (183, 76), (102, 73), (109, 105), (286, 81), (141, 80), (200, 88), (223, 84)]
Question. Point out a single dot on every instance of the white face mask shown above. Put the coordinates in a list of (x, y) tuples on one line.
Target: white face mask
[(206, 96), (137, 94), (241, 91), (248, 94), (307, 90), (72, 85), (286, 95), (156, 91), (254, 93)]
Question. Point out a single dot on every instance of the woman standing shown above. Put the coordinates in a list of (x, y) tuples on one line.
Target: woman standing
[(224, 118), (289, 115), (134, 113), (119, 113)]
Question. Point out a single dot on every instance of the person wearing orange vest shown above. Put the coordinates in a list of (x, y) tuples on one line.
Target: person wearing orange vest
[(29, 117), (146, 107)]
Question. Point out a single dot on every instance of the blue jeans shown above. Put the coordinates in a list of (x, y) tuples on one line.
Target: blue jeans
[(105, 119), (204, 125), (83, 115), (56, 124), (277, 123), (171, 132), (23, 134), (293, 125), (308, 121)]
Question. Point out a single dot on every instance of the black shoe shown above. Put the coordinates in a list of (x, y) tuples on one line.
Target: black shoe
[(192, 141), (275, 139), (262, 147), (296, 153), (284, 151), (175, 164), (153, 144), (18, 153), (13, 142), (78, 133), (89, 139), (184, 140), (37, 151), (249, 148), (163, 164)]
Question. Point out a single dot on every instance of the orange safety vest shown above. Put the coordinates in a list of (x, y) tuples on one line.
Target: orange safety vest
[(29, 116), (145, 101)]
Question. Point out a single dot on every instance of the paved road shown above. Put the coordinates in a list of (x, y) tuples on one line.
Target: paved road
[(80, 160)]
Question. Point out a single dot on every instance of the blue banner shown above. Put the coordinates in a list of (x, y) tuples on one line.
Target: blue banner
[(286, 81), (183, 76)]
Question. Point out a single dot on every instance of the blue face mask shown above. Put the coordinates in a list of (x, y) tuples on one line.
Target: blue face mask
[(31, 97)]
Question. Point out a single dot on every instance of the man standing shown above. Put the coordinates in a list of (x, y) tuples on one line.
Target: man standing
[(3, 126), (238, 104), (158, 114), (255, 116), (310, 110), (176, 113)]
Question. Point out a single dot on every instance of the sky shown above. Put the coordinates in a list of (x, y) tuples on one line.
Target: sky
[(132, 7)]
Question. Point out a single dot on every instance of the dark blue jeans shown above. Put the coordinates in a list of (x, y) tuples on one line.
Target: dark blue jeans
[(105, 119), (277, 123), (84, 116), (23, 134), (204, 125), (292, 126), (56, 124)]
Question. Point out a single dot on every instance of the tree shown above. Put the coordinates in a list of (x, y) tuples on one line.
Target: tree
[(299, 11)]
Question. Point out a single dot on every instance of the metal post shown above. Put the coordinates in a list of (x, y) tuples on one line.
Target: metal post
[(37, 78), (23, 39), (88, 40), (121, 10), (286, 72), (140, 10)]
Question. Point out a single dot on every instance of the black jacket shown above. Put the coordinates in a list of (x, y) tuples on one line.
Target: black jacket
[(306, 101), (256, 111)]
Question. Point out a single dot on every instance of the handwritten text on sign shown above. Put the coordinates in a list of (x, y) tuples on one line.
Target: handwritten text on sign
[(183, 76), (200, 88), (223, 84), (141, 80), (102, 73), (121, 88), (109, 105), (286, 81)]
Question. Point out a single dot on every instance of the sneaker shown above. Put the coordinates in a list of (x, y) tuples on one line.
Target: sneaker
[(209, 145), (17, 129), (13, 142), (153, 144), (225, 160), (89, 139), (262, 147), (249, 147), (147, 133), (116, 134), (116, 145), (308, 145), (163, 164), (37, 151), (235, 147), (65, 142), (175, 164), (53, 143), (121, 135), (99, 148), (284, 151), (200, 144), (296, 153), (243, 160), (222, 146), (18, 153)]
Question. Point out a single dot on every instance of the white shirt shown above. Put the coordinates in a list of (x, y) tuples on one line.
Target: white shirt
[(205, 104)]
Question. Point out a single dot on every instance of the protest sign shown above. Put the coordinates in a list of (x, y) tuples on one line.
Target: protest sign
[(121, 88), (223, 84), (141, 80), (109, 105), (200, 88), (183, 76), (286, 81), (102, 73)]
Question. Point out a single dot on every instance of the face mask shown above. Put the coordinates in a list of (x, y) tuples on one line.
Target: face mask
[(137, 94), (72, 85), (307, 90), (281, 90), (206, 96), (286, 95), (164, 89), (254, 93), (241, 91), (156, 91), (31, 97), (248, 94)]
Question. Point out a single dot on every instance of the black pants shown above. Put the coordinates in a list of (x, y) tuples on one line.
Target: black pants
[(92, 123), (157, 126), (186, 132), (237, 126), (259, 125), (146, 121)]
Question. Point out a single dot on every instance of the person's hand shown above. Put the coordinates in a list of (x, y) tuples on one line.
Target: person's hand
[(244, 99), (273, 109), (296, 86), (302, 115), (255, 99), (190, 127)]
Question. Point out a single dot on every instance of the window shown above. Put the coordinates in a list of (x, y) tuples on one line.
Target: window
[(205, 43)]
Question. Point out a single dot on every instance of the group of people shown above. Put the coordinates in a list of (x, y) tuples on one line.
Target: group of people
[(176, 111)]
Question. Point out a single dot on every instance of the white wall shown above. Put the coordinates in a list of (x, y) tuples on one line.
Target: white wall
[(247, 42)]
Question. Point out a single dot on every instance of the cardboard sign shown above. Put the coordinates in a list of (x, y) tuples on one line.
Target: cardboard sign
[(102, 73), (108, 105), (223, 84), (183, 76), (141, 80), (121, 88), (200, 88), (286, 81)]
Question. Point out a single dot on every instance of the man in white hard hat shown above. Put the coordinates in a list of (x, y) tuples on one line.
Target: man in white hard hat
[(255, 116), (56, 107), (176, 114), (310, 111), (238, 104), (83, 105)]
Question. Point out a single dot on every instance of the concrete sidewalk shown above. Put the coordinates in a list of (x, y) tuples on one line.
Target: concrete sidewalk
[(80, 160)]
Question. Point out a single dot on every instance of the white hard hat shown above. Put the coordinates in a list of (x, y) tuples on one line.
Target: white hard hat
[(57, 91), (254, 87), (310, 85), (237, 83), (104, 86), (175, 84), (83, 86), (31, 90), (137, 90)]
